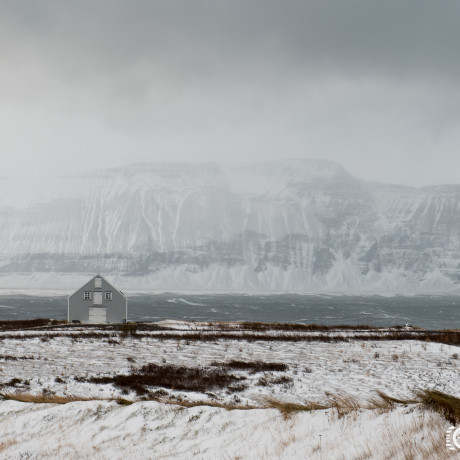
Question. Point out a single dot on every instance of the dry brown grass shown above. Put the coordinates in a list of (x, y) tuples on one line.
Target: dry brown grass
[(47, 399), (366, 454), (5, 444), (343, 403), (446, 405), (411, 444), (189, 404), (288, 408), (384, 403), (54, 399)]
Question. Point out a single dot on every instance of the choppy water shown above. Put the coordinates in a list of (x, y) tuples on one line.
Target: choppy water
[(431, 312)]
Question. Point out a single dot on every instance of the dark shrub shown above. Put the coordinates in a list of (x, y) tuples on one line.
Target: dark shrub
[(169, 376)]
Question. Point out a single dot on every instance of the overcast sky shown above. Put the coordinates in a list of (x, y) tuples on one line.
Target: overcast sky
[(374, 85)]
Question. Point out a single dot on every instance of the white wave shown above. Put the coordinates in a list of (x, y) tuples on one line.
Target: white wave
[(186, 302)]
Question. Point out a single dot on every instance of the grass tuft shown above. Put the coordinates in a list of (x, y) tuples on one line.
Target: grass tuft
[(226, 406), (123, 402), (288, 408), (384, 403), (343, 403), (49, 399), (54, 399), (446, 405)]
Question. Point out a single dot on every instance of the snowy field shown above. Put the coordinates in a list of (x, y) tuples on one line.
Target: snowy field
[(252, 374)]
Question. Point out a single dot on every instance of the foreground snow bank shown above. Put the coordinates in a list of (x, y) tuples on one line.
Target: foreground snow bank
[(106, 430)]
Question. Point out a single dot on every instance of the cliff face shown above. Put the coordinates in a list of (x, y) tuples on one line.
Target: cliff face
[(288, 225)]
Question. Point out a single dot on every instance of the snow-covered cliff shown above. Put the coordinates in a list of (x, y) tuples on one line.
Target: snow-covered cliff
[(294, 225)]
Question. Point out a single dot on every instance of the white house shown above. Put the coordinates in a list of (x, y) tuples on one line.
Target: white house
[(97, 302)]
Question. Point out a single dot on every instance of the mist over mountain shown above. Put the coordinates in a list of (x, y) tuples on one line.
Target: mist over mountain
[(293, 225)]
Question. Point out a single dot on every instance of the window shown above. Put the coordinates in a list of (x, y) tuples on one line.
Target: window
[(87, 295), (108, 296), (98, 283)]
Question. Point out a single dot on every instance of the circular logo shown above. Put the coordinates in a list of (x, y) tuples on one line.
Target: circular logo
[(456, 438), (453, 438)]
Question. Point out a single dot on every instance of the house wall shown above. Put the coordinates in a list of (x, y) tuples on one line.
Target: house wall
[(79, 307)]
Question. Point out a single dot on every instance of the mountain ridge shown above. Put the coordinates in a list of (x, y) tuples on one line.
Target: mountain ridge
[(286, 225)]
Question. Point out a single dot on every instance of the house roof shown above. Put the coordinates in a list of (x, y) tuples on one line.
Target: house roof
[(94, 277)]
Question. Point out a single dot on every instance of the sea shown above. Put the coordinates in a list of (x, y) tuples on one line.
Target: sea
[(427, 311)]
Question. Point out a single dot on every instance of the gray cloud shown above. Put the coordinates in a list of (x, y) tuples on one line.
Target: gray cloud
[(371, 84)]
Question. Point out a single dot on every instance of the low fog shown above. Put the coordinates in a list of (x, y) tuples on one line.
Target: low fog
[(373, 85)]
